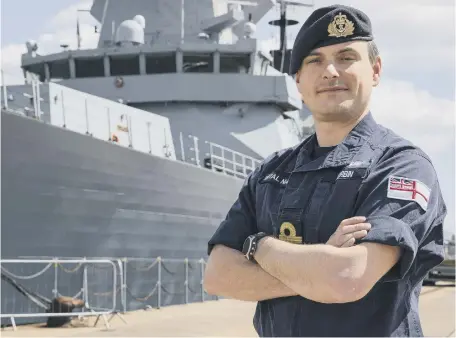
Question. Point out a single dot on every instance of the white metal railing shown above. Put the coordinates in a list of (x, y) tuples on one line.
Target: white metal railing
[(92, 288), (96, 117), (9, 104), (144, 282), (158, 272), (100, 122), (219, 158), (230, 161)]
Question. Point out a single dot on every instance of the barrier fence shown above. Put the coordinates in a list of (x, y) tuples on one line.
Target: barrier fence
[(106, 285), (169, 281), (30, 288)]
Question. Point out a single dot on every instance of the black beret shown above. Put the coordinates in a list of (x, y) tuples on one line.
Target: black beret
[(329, 26)]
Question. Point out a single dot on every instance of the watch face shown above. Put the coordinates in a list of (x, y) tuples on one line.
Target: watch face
[(246, 246)]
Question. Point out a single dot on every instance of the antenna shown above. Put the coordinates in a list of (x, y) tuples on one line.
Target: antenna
[(283, 22), (105, 9), (182, 22), (78, 32)]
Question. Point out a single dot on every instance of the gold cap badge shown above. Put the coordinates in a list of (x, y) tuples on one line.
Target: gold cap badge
[(288, 233), (341, 26)]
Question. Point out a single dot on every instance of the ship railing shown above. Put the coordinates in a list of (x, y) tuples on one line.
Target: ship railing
[(146, 283), (217, 157), (113, 122), (229, 161), (119, 125), (20, 102), (53, 288)]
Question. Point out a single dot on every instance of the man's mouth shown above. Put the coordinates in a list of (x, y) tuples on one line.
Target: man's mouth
[(332, 89)]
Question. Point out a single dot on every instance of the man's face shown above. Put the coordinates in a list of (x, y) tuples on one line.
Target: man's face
[(336, 81)]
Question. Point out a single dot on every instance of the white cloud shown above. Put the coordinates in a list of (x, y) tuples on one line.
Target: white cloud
[(414, 113), (417, 34), (66, 18), (60, 30)]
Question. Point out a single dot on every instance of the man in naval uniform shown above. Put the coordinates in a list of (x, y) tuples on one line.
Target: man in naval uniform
[(296, 239)]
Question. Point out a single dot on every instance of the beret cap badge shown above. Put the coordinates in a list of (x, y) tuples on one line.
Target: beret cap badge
[(341, 26)]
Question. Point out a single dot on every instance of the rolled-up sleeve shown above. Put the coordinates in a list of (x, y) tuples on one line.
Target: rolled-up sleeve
[(240, 221), (402, 200)]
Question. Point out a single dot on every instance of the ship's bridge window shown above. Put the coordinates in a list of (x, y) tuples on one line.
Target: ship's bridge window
[(161, 63), (234, 63), (59, 69), (124, 65), (93, 67), (198, 63)]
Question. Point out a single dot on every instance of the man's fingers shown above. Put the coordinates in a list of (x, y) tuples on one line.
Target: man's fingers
[(355, 227), (348, 243), (354, 235), (353, 220), (349, 231), (360, 234), (345, 240)]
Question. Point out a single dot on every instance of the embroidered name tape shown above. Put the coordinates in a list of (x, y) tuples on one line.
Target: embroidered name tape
[(353, 173), (346, 174), (410, 190), (275, 178)]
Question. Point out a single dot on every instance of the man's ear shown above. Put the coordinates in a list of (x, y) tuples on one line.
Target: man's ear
[(377, 67)]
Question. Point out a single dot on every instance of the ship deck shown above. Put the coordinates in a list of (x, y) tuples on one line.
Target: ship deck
[(229, 318)]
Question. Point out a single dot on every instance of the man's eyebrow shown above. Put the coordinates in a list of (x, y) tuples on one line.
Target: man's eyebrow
[(314, 54), (344, 50), (347, 49)]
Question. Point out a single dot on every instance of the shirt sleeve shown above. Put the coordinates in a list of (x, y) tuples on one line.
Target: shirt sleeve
[(240, 221), (402, 200)]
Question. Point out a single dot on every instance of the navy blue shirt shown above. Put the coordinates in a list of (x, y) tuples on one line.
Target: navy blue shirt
[(302, 196)]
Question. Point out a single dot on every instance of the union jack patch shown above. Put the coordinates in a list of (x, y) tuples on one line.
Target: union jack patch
[(410, 190)]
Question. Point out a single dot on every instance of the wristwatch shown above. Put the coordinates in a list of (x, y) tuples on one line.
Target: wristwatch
[(250, 245)]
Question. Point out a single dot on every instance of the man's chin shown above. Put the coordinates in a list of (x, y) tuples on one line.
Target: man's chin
[(340, 112), (336, 108)]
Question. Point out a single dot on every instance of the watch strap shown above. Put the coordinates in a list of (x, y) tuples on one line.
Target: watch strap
[(251, 245)]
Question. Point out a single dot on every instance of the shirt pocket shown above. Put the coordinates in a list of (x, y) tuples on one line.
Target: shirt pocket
[(339, 204), (269, 195)]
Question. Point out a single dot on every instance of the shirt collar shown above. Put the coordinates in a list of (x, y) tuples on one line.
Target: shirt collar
[(343, 153)]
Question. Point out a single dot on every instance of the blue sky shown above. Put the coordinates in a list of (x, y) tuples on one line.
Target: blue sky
[(416, 39)]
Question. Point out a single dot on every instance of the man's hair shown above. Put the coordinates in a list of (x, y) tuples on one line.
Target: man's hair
[(373, 52)]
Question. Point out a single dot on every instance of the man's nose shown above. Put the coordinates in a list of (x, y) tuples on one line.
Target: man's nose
[(330, 72)]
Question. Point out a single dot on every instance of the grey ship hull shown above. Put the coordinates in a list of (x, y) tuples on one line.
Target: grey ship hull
[(68, 195)]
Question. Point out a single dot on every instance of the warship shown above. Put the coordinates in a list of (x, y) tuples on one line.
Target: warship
[(138, 147)]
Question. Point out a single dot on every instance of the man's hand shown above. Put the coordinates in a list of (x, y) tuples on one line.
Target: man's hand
[(349, 231)]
